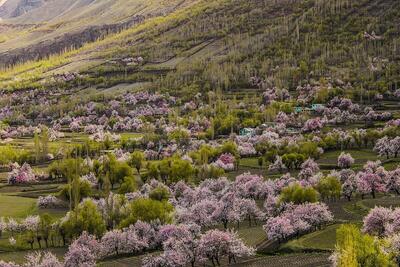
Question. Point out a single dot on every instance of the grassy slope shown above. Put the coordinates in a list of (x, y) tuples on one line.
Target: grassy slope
[(221, 43), (56, 18), (13, 206)]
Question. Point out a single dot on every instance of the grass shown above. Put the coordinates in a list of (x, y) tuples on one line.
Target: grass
[(324, 239), (362, 206), (14, 206), (253, 235), (391, 164), (17, 189), (20, 207), (387, 201), (361, 156), (249, 162), (131, 135), (356, 208), (126, 261)]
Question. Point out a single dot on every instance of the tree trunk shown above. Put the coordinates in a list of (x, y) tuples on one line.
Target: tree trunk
[(212, 261), (217, 260)]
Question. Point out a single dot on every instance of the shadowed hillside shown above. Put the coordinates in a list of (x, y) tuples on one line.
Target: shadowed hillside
[(34, 29)]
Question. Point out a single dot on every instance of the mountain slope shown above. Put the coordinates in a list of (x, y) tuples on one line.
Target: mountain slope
[(69, 23), (221, 44)]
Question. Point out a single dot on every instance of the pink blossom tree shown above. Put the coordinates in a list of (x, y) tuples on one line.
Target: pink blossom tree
[(383, 147), (394, 246), (313, 125), (395, 146), (181, 244), (215, 244), (296, 219), (201, 213), (39, 259), (345, 160), (278, 228), (84, 251), (248, 185), (377, 221), (226, 162), (21, 174), (278, 165), (372, 179), (228, 210), (393, 181), (112, 242), (8, 264), (308, 169), (349, 186), (394, 227)]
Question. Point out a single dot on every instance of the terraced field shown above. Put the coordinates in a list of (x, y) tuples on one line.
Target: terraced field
[(292, 260)]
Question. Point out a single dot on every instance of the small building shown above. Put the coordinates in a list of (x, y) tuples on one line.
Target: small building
[(315, 107), (247, 132), (298, 109)]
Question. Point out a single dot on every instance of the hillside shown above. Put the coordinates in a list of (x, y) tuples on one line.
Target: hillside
[(31, 30), (227, 42)]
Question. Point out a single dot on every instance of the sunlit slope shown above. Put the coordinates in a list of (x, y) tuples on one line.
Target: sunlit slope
[(222, 43), (55, 18)]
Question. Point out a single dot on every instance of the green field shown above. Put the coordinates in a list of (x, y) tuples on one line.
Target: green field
[(14, 206), (329, 158), (253, 236), (320, 240)]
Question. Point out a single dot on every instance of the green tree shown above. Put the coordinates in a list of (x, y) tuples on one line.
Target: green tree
[(87, 218), (181, 136), (66, 168), (45, 227), (129, 185), (159, 193), (293, 160), (298, 194), (116, 171), (136, 160), (203, 154), (354, 249), (78, 188), (329, 188), (153, 172), (229, 147), (180, 170), (41, 144), (148, 210)]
